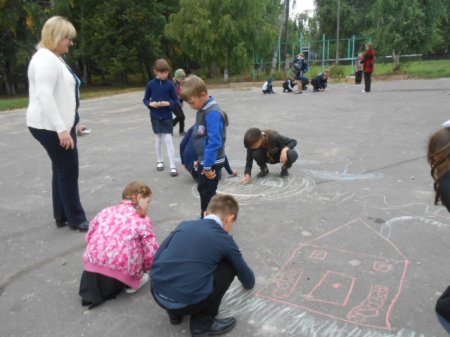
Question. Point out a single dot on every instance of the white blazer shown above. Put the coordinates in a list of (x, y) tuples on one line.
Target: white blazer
[(52, 93)]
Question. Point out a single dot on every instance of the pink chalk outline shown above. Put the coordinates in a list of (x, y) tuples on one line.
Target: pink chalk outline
[(328, 274), (405, 261), (285, 288), (318, 254), (360, 311), (381, 266)]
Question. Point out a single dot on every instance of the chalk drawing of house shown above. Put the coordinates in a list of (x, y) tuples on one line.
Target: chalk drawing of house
[(351, 273)]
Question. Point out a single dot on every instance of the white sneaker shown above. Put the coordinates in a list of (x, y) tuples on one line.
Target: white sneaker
[(364, 90), (145, 278)]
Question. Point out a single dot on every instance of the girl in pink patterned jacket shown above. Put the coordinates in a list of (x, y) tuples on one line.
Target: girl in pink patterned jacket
[(120, 247)]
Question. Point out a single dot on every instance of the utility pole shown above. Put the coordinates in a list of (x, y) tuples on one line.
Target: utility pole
[(337, 30), (286, 34)]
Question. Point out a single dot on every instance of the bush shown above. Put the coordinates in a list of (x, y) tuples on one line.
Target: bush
[(337, 71)]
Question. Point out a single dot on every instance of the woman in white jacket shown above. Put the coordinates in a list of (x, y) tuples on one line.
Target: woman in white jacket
[(52, 117)]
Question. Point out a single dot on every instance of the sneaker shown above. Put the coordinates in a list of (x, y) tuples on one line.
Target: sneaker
[(364, 90), (264, 171), (284, 172), (160, 166), (144, 280), (173, 172)]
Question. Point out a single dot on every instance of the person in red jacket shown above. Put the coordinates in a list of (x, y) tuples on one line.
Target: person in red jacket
[(369, 64)]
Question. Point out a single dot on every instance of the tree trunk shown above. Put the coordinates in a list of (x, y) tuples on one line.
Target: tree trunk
[(276, 50), (287, 63), (286, 31), (396, 60), (213, 70), (225, 75), (9, 87)]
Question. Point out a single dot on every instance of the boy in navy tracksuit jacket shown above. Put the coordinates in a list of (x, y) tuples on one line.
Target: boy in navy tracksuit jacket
[(209, 136)]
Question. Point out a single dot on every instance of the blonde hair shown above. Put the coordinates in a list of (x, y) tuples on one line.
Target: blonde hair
[(223, 205), (55, 29), (193, 86), (133, 189)]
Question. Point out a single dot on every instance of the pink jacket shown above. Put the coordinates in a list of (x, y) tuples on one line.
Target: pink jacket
[(120, 244)]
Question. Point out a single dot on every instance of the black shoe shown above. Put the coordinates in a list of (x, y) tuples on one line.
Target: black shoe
[(60, 223), (284, 172), (264, 171), (219, 327), (82, 227), (175, 320)]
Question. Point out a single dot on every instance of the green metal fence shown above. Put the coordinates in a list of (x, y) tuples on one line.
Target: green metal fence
[(322, 52)]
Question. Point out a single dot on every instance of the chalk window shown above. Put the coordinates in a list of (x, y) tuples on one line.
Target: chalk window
[(381, 266), (318, 254)]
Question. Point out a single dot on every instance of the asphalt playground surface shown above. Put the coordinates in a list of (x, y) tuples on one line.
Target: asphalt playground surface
[(350, 244)]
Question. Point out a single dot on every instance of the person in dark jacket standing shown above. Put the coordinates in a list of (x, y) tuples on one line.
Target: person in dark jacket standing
[(268, 147), (439, 160), (178, 80), (208, 138), (195, 265), (369, 65)]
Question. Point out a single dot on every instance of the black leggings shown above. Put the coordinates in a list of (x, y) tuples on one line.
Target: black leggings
[(179, 117), (262, 159), (204, 312), (443, 304)]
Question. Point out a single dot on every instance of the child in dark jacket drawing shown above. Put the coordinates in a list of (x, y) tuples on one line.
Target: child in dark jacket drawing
[(320, 81), (268, 147), (195, 266)]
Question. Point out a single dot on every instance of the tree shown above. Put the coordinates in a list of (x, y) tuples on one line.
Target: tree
[(353, 17), (116, 37), (19, 22), (407, 26), (224, 33)]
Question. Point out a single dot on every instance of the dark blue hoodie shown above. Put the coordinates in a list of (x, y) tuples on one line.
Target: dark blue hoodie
[(157, 91)]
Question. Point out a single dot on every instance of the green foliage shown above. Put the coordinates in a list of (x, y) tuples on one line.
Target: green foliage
[(412, 26), (223, 34), (397, 27), (337, 71), (353, 17)]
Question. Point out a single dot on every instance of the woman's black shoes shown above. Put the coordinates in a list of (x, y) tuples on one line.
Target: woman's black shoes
[(82, 227), (60, 223)]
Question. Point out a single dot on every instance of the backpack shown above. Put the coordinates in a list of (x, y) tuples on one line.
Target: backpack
[(305, 66)]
